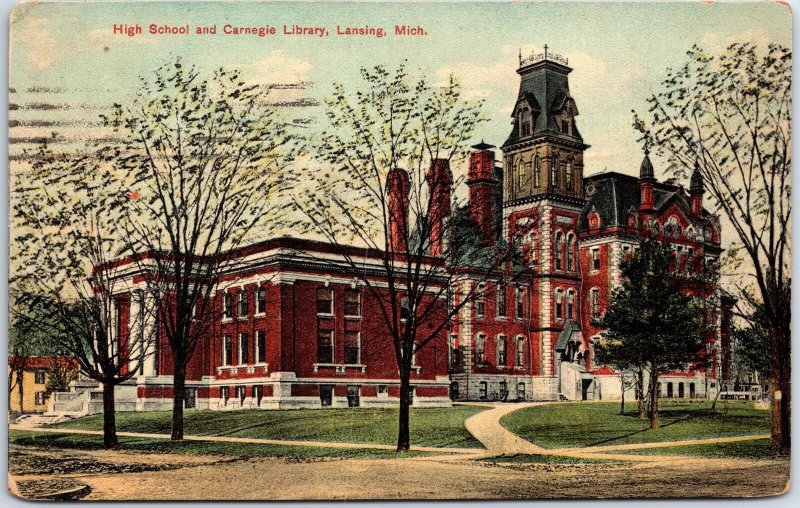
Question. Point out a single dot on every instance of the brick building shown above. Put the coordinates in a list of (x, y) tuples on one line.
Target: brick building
[(297, 329)]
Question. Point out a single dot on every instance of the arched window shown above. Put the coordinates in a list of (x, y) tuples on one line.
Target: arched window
[(557, 249), (570, 248), (537, 173), (520, 351), (570, 304), (533, 244), (559, 304)]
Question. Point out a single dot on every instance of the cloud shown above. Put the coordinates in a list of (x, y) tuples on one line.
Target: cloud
[(278, 67)]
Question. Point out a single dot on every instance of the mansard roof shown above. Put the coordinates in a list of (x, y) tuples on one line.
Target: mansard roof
[(613, 195), (544, 87)]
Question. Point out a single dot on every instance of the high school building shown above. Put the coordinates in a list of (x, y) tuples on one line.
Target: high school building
[(298, 329)]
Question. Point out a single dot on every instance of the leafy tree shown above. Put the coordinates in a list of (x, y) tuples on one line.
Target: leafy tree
[(393, 132), (653, 321), (206, 159), (61, 236), (628, 362), (752, 344), (730, 115)]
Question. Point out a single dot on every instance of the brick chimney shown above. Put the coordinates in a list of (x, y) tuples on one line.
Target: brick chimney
[(482, 185), (440, 183), (397, 188)]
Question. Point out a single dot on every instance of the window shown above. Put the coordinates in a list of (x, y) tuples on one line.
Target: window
[(681, 393), (570, 251), (568, 175), (558, 249), (353, 399), (480, 343), (352, 349), (241, 393), (519, 310), (554, 172), (691, 390), (261, 346), (39, 376), (595, 259), (501, 350), (224, 394), (453, 350), (258, 394), (570, 304), (521, 391), (243, 310), (405, 309), (534, 246), (483, 390), (520, 352), (670, 393), (352, 303), (454, 390), (501, 300), (565, 126), (261, 300), (503, 390), (227, 350), (190, 401), (479, 303), (325, 346), (559, 304), (243, 349), (383, 390), (227, 302), (537, 173), (594, 302), (325, 301), (39, 399)]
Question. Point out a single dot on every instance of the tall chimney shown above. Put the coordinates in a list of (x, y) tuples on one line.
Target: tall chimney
[(440, 183), (482, 184), (397, 188)]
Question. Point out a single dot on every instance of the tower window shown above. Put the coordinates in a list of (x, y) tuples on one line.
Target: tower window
[(559, 304), (568, 175), (537, 173), (554, 173), (570, 304)]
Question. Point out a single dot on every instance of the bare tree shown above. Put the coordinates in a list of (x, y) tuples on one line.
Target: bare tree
[(386, 185), (729, 115), (64, 209), (206, 157)]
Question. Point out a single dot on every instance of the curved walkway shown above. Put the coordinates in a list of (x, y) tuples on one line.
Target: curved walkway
[(486, 428)]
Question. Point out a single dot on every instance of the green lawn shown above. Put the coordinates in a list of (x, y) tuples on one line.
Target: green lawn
[(598, 424), (442, 427), (84, 442), (753, 449)]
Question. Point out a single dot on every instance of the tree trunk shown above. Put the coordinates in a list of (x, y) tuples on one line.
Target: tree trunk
[(653, 398), (622, 390), (640, 391), (21, 383), (403, 432), (779, 387), (179, 393), (109, 417)]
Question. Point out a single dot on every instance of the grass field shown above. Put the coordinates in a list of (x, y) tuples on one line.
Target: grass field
[(84, 442), (596, 424), (442, 427), (754, 449)]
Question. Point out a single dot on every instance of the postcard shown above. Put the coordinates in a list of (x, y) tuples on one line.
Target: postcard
[(399, 250)]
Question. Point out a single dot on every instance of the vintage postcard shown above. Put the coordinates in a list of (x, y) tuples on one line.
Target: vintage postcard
[(375, 250)]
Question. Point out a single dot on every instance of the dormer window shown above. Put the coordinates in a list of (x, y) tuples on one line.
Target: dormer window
[(565, 126), (525, 122)]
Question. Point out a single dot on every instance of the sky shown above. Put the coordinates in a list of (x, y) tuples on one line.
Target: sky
[(67, 65)]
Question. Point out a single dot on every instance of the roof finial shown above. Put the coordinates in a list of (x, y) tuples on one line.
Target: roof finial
[(520, 56), (545, 51)]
